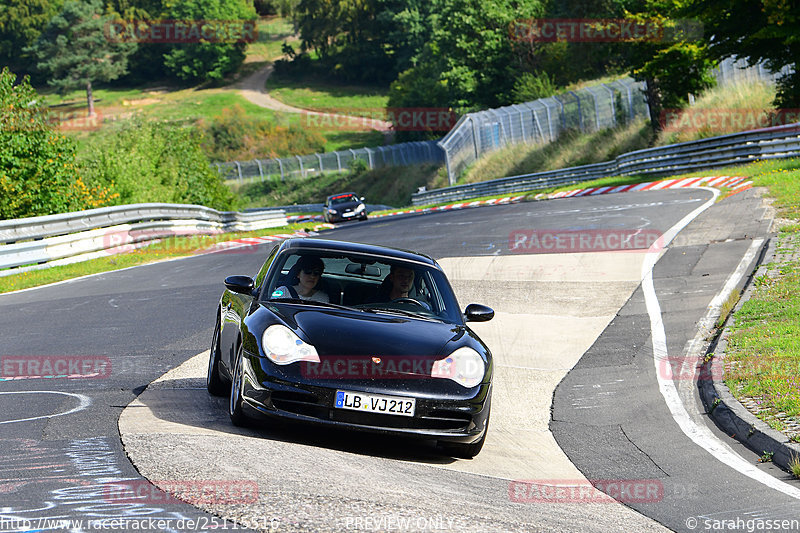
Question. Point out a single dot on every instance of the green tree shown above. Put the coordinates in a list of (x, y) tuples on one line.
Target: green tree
[(472, 56), (21, 22), (207, 59), (365, 40), (38, 174), (74, 49), (674, 67), (758, 30)]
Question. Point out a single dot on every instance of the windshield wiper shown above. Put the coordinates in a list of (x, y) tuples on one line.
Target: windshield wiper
[(402, 312)]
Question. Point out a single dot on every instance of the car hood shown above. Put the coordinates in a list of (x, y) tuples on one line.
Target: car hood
[(335, 332)]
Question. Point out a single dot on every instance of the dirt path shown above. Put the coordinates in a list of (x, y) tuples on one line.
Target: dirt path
[(252, 88)]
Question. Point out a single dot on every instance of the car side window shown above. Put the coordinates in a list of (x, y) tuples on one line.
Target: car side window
[(265, 268)]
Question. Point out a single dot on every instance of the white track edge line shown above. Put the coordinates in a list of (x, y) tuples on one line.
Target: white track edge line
[(699, 434)]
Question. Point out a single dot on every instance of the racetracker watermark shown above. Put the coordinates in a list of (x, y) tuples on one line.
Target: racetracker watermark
[(13, 367), (168, 31), (727, 119), (195, 492), (585, 491), (76, 121), (397, 118), (389, 367), (766, 368), (119, 241), (30, 120), (544, 241), (604, 30)]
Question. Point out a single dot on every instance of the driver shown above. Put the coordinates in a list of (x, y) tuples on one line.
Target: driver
[(402, 281), (398, 284)]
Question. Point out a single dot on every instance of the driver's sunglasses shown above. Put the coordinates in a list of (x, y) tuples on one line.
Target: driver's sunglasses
[(313, 272)]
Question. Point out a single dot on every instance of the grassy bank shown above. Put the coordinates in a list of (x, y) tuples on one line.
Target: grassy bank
[(379, 186), (714, 113), (762, 358), (311, 92), (572, 149)]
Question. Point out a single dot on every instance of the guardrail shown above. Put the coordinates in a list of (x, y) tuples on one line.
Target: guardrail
[(738, 148), (41, 242)]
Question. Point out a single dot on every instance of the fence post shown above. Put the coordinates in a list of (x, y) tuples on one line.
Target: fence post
[(260, 170), (299, 160), (613, 104), (596, 108), (319, 158), (239, 169), (475, 135), (549, 123), (580, 112), (338, 161), (280, 165)]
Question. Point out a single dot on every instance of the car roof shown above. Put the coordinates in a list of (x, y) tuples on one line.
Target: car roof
[(366, 249)]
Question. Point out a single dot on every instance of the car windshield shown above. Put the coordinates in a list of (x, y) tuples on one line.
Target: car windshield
[(343, 199), (361, 282)]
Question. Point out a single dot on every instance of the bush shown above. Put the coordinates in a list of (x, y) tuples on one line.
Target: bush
[(38, 172), (532, 86), (156, 162), (236, 136)]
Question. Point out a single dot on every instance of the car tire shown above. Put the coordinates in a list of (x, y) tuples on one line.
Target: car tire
[(214, 382), (465, 451), (238, 418)]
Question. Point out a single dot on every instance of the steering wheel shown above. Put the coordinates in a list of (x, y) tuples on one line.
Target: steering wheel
[(407, 300)]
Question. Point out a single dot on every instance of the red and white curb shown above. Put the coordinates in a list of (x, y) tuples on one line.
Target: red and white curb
[(451, 207), (736, 183), (303, 218), (255, 241)]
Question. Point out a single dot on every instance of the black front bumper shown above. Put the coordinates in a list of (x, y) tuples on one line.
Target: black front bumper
[(441, 417)]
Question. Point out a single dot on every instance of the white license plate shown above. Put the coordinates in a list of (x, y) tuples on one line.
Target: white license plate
[(375, 403), (347, 214)]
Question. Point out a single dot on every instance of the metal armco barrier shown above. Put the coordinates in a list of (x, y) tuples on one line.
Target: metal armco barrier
[(39, 242), (738, 148)]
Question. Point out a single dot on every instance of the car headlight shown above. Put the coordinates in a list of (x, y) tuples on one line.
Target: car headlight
[(360, 208), (465, 366), (332, 211), (282, 346)]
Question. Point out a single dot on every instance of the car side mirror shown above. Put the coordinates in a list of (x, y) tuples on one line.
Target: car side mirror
[(240, 284), (478, 313)]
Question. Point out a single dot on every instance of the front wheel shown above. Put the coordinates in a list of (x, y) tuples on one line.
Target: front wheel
[(238, 418), (214, 382)]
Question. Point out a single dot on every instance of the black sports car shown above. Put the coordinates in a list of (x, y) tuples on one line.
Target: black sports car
[(355, 336), (344, 206)]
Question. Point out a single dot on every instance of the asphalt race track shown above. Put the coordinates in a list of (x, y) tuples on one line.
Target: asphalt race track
[(577, 393)]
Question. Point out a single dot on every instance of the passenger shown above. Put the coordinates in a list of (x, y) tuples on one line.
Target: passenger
[(306, 285)]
